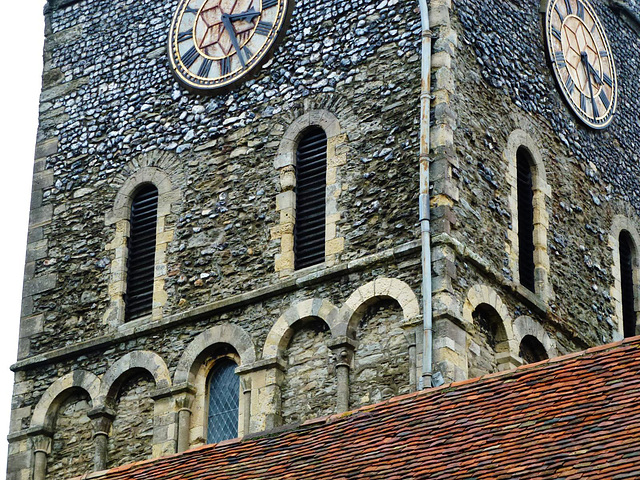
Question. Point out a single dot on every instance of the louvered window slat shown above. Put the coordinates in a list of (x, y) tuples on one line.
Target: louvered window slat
[(142, 247), (311, 188), (525, 222), (626, 277)]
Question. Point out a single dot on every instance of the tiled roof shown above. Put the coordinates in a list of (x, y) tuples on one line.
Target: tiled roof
[(573, 417)]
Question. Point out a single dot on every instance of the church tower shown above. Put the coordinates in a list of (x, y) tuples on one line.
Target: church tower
[(253, 213)]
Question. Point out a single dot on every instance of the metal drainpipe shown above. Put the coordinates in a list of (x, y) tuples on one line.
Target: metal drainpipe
[(425, 217)]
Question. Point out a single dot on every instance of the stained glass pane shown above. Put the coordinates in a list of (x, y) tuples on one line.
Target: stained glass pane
[(224, 396)]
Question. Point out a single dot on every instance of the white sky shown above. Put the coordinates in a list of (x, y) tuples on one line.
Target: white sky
[(21, 37)]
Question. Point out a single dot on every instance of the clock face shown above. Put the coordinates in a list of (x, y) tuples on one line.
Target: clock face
[(214, 43), (582, 60)]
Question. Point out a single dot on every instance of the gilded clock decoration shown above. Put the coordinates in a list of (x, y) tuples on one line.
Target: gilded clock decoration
[(215, 43), (582, 61)]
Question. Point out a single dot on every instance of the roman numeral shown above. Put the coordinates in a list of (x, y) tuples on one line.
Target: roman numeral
[(604, 53), (581, 10), (567, 3), (263, 28), (558, 13), (225, 66), (190, 57), (596, 113), (569, 84), (604, 99), (607, 79), (556, 33), (182, 36), (191, 10), (560, 60), (269, 3), (583, 102), (247, 53), (205, 68)]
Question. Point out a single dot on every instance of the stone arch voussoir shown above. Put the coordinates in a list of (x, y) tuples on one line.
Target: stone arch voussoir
[(356, 305), (45, 412), (141, 359), (233, 335), (524, 325), (282, 330)]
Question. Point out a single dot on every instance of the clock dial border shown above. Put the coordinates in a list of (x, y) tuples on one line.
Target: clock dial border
[(224, 81), (586, 104)]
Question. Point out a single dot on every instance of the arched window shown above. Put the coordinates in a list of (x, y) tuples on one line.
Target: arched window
[(532, 350), (627, 260), (142, 249), (224, 401), (525, 221), (311, 185)]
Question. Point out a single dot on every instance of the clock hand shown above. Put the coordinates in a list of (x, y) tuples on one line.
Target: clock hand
[(247, 15), (585, 61), (226, 21), (595, 74)]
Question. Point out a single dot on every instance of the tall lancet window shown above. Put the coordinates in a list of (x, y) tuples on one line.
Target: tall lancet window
[(311, 186), (525, 221), (142, 250), (224, 401), (627, 260)]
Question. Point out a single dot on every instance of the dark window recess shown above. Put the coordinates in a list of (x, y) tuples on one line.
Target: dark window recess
[(142, 251), (531, 350), (224, 400), (525, 222), (626, 277), (311, 176)]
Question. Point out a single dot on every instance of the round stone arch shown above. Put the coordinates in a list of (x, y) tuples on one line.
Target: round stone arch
[(282, 331), (359, 301), (519, 139), (44, 414), (285, 163), (619, 224), (191, 359), (484, 295), (165, 173), (526, 326), (138, 360)]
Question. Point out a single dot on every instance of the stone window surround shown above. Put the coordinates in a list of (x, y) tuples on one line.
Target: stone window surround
[(526, 326), (119, 217), (541, 194), (619, 224), (479, 295), (285, 163)]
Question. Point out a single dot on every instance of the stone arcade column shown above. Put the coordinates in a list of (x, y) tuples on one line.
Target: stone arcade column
[(184, 396), (101, 419), (343, 352), (41, 440), (245, 384), (266, 377), (412, 332)]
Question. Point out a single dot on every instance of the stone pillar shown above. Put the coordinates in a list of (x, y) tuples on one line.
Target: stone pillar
[(184, 396), (246, 405), (343, 352), (265, 405), (412, 329), (102, 419), (42, 449)]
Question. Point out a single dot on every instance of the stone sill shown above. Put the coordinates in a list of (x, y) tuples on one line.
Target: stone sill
[(307, 277)]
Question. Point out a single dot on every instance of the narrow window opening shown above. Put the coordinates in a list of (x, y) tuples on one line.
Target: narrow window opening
[(311, 179), (532, 350), (224, 402), (626, 277), (525, 221), (142, 250)]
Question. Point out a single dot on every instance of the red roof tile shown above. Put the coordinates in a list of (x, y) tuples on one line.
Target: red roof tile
[(576, 417)]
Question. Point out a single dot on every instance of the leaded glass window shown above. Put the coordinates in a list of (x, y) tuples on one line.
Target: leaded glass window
[(525, 221), (628, 294), (224, 398)]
